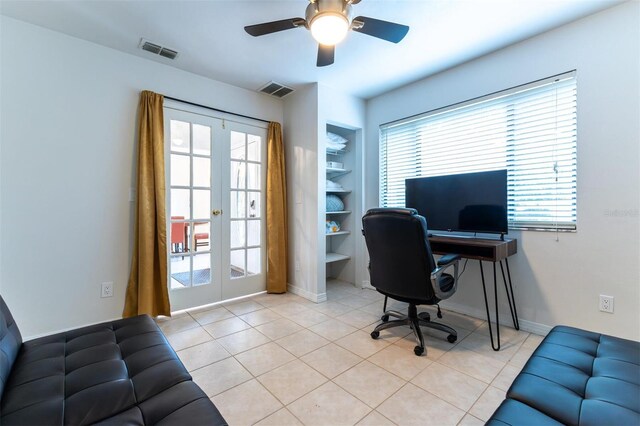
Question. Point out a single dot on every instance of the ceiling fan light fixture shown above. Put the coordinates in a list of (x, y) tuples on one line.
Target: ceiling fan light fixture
[(329, 28)]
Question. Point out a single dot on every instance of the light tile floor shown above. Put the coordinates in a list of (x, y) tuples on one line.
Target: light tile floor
[(283, 360)]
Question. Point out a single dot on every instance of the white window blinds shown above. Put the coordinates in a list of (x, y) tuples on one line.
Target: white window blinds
[(530, 130)]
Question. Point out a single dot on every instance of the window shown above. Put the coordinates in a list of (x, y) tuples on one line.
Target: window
[(529, 130)]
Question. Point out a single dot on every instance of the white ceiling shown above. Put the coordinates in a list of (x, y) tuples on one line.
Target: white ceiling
[(210, 38)]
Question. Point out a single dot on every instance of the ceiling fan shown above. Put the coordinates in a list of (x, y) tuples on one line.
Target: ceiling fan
[(329, 21)]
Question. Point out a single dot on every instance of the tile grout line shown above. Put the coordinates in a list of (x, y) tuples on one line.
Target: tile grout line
[(330, 316)]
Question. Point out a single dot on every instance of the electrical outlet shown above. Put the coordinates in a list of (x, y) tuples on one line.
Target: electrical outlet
[(606, 303), (297, 265), (107, 290)]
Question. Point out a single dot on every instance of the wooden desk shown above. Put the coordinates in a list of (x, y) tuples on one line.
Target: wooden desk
[(488, 250)]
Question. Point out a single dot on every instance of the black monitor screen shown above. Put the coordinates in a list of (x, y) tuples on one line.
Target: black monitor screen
[(471, 202)]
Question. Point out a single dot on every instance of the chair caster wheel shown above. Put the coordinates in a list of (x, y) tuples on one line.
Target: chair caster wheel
[(384, 318), (451, 338), (375, 334), (418, 350), (439, 314)]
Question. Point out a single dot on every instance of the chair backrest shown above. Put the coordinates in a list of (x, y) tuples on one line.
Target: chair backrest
[(10, 342), (177, 230), (400, 255)]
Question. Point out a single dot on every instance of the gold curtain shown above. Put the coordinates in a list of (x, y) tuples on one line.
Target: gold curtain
[(276, 212), (147, 291)]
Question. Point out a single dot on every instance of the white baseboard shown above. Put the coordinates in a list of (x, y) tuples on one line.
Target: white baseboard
[(505, 317), (317, 298), (221, 302), (367, 284)]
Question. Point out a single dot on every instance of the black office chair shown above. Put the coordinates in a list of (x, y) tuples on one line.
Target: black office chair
[(402, 268)]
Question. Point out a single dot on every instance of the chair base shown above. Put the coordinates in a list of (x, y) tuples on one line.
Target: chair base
[(415, 321)]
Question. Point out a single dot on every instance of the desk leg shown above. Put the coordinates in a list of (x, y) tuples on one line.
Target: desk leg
[(510, 295), (494, 344)]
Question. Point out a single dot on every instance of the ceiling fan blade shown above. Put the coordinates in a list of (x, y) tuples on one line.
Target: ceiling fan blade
[(274, 27), (389, 31), (325, 55)]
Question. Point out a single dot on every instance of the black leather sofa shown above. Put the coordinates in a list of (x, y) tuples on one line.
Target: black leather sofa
[(121, 373), (576, 377)]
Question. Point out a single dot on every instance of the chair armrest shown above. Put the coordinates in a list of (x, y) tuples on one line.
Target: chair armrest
[(447, 259), (444, 263)]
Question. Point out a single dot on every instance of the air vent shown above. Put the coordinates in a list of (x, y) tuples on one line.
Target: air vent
[(168, 53), (157, 49), (275, 89)]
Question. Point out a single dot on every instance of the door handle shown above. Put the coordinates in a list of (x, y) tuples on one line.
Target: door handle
[(216, 212)]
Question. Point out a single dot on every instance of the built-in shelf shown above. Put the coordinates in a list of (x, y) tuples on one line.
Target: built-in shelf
[(336, 173), (336, 151), (341, 181), (336, 257), (331, 234), (335, 170)]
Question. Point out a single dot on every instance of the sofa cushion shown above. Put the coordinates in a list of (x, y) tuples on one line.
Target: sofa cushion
[(117, 372), (577, 377)]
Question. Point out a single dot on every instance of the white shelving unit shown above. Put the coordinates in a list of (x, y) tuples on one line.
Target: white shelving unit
[(336, 257), (340, 247), (333, 234), (310, 112)]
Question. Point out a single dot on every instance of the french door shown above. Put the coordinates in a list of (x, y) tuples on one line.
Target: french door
[(215, 180)]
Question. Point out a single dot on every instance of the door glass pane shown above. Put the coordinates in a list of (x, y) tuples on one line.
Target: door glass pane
[(237, 175), (180, 170), (200, 239), (237, 233), (253, 176), (253, 207), (237, 146), (180, 202), (253, 232), (201, 269), (180, 267), (201, 139), (237, 204), (201, 203), (180, 136), (253, 148), (253, 261), (201, 172), (237, 263)]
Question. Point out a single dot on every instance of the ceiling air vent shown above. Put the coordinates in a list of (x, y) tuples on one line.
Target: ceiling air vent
[(275, 89), (168, 53), (157, 49)]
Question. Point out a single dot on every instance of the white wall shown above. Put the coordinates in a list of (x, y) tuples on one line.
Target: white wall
[(306, 113), (558, 282), (347, 112), (68, 114), (301, 154)]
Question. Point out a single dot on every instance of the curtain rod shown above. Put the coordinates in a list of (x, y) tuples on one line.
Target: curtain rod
[(215, 109)]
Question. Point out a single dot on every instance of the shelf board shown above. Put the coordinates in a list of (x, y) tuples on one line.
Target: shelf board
[(336, 151), (335, 257), (340, 212), (338, 191), (331, 234), (334, 170), (336, 173)]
